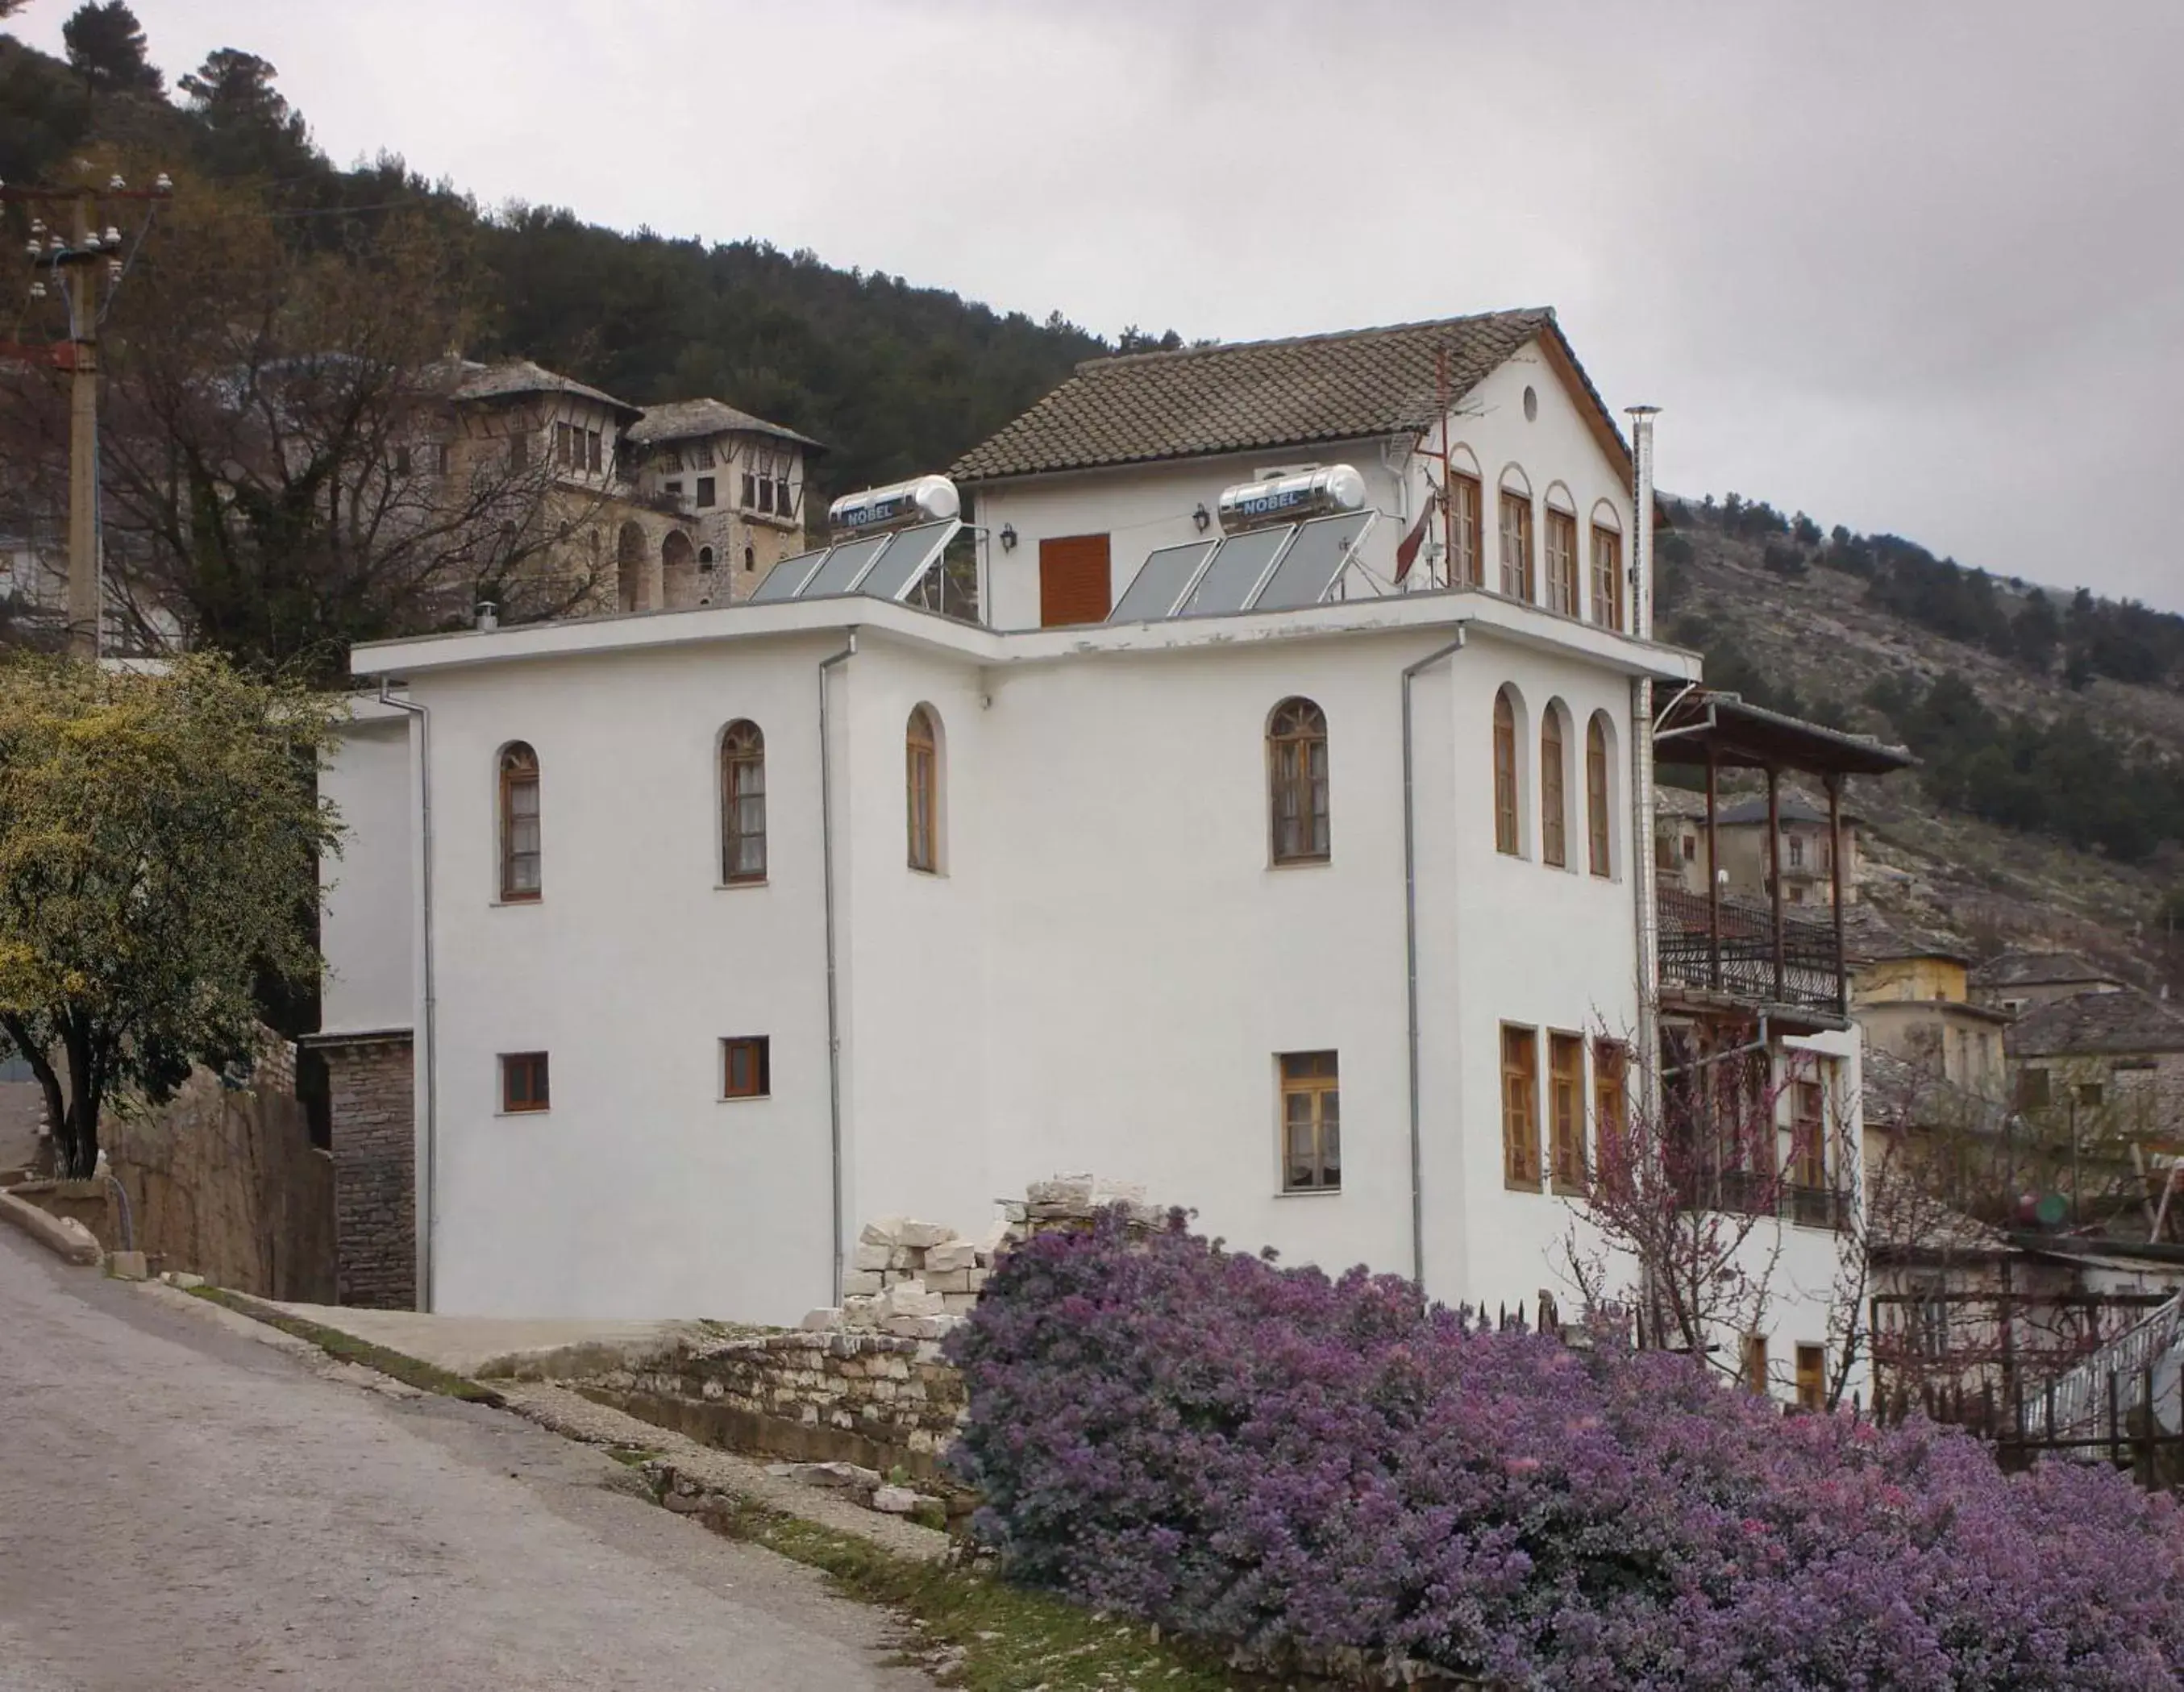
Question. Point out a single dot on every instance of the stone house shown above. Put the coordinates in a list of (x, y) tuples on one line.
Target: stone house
[(2015, 982), (1913, 999), (1276, 840), (1684, 853)]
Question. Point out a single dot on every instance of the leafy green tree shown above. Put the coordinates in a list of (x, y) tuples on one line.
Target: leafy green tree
[(157, 832), (106, 45), (250, 127)]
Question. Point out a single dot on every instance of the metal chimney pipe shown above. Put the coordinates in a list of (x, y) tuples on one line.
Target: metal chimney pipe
[(1643, 883)]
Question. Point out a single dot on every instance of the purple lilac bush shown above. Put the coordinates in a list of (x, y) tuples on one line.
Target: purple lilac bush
[(1306, 1466)]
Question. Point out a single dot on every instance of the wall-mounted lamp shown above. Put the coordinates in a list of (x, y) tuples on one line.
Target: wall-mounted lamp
[(1008, 538), (1202, 517)]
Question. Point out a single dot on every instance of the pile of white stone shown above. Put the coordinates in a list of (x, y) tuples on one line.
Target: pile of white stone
[(917, 1279)]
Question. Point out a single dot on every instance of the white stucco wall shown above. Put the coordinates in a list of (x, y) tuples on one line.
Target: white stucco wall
[(641, 1190), (1142, 508), (367, 903)]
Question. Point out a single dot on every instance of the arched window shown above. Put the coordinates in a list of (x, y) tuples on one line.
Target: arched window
[(519, 822), (921, 745), (704, 558), (743, 803), (750, 559), (1296, 778), (1554, 794), (1506, 837), (1597, 795)]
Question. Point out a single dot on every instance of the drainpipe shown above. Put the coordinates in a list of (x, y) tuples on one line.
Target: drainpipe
[(1647, 913), (428, 1060), (1411, 958), (834, 997)]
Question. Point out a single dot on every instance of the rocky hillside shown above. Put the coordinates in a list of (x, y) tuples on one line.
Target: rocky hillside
[(2048, 806)]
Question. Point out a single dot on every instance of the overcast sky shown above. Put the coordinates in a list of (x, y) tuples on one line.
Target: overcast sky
[(1909, 267)]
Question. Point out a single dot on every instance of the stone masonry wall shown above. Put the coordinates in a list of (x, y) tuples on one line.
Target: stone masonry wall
[(864, 1385), (371, 1090)]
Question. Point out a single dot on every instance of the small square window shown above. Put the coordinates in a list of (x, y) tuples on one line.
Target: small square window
[(673, 490), (522, 1082), (746, 1067), (705, 490)]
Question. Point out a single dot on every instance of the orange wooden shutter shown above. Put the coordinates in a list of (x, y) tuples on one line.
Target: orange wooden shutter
[(1074, 586)]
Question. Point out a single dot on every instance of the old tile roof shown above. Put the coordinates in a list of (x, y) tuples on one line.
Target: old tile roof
[(1139, 407), (682, 418), (2089, 1023), (516, 377), (1869, 937), (1791, 807), (2038, 969)]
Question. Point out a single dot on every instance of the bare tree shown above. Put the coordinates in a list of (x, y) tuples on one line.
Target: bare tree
[(1678, 1214), (287, 466)]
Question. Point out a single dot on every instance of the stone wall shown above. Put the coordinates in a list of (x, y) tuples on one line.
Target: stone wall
[(224, 1182), (220, 1181), (864, 1384), (371, 1090)]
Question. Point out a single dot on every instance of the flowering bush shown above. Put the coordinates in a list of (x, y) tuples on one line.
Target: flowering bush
[(1310, 1466)]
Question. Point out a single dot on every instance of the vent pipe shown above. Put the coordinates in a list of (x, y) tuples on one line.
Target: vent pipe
[(1646, 895)]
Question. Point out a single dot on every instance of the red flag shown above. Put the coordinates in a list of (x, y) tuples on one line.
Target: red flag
[(1407, 552)]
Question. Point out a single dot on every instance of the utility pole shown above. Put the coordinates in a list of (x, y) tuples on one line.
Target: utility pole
[(76, 264)]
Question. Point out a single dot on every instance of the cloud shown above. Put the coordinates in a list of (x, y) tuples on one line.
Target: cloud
[(1909, 268)]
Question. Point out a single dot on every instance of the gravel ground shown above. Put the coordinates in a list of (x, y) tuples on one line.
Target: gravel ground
[(184, 1507)]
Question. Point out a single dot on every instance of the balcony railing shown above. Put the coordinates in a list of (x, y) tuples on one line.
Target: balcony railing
[(1738, 956)]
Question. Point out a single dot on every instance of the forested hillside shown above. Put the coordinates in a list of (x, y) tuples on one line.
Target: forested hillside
[(2048, 803), (896, 379), (2050, 798)]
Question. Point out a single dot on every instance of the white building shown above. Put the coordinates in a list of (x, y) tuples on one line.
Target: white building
[(1313, 919)]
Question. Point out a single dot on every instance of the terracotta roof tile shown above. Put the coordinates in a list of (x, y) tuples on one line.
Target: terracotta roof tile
[(1140, 407)]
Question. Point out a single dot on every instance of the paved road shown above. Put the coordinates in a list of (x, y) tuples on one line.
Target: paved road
[(184, 1508)]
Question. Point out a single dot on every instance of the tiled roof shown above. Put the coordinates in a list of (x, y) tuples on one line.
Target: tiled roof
[(2096, 1023), (518, 376), (1790, 807), (682, 418), (1140, 407), (1869, 937), (2037, 969)]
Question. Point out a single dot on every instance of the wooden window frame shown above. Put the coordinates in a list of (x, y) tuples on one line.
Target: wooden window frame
[(1520, 1108), (921, 790), (1599, 836), (1566, 1112), (1752, 1362), (1314, 1078), (526, 1083), (743, 763), (1297, 778), (708, 494), (1812, 1376), (1611, 1105), (1467, 565), (1808, 1133), (1554, 790), (757, 1049), (1519, 573), (519, 767), (595, 457), (1561, 561), (1608, 576), (1508, 827)]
